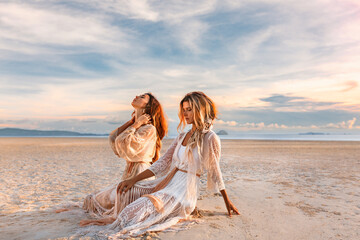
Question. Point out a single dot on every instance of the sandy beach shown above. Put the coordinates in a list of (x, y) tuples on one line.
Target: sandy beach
[(283, 189)]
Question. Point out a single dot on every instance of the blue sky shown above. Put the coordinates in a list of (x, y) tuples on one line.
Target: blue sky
[(271, 66)]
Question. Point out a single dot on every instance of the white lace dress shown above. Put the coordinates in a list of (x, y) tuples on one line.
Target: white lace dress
[(137, 147), (158, 210)]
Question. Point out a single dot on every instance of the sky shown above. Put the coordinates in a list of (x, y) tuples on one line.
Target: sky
[(271, 66)]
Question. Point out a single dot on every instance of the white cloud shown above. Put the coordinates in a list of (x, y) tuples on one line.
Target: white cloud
[(72, 98), (349, 85), (175, 72), (351, 123), (180, 17), (177, 11), (343, 125), (139, 9), (135, 9), (154, 11), (24, 27), (189, 34), (249, 45), (234, 125), (182, 20), (227, 123)]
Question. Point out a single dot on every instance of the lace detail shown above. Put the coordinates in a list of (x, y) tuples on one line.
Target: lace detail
[(137, 213), (107, 202), (212, 163), (161, 166), (142, 216), (136, 145)]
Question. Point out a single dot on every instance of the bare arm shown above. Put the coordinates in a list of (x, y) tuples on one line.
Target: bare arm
[(157, 168), (127, 184), (229, 205)]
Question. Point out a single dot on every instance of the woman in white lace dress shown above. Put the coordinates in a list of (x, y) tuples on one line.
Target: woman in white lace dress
[(159, 204), (138, 142)]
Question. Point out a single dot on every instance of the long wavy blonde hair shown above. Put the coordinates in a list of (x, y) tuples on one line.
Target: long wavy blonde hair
[(204, 112)]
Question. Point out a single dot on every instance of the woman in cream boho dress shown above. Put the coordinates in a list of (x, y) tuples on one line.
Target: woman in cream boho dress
[(138, 142), (161, 203)]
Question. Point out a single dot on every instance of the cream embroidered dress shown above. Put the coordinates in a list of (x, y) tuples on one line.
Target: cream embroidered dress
[(137, 147), (178, 172)]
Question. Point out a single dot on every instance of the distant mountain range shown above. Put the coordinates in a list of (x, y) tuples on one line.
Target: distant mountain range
[(18, 132)]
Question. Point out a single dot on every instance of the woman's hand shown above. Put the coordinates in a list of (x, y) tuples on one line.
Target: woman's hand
[(229, 205), (125, 185), (231, 208), (143, 119)]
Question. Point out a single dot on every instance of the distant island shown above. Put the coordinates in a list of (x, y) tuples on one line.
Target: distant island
[(313, 133), (18, 132), (222, 132)]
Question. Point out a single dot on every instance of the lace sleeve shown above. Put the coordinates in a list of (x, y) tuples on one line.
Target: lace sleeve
[(111, 138), (112, 144), (136, 145), (161, 166), (215, 181)]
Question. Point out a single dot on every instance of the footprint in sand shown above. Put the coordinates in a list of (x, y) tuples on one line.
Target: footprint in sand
[(214, 225)]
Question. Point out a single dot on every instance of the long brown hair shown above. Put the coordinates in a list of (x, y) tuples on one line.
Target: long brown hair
[(158, 119)]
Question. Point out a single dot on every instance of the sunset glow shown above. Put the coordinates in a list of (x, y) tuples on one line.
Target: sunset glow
[(271, 66)]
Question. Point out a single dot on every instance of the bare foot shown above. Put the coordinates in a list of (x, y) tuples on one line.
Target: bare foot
[(197, 213), (85, 222), (62, 210), (99, 222)]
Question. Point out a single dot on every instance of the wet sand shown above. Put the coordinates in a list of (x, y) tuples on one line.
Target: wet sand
[(283, 189)]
